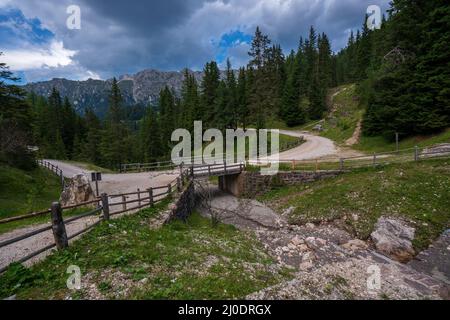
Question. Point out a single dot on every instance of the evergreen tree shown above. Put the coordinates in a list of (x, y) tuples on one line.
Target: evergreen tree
[(231, 104), (90, 150), (150, 137), (242, 98), (113, 146), (209, 89), (15, 118), (190, 103)]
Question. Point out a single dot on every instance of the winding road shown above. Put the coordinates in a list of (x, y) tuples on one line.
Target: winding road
[(121, 182), (314, 147), (110, 184)]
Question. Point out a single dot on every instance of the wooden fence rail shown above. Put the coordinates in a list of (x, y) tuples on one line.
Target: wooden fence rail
[(55, 169), (103, 211)]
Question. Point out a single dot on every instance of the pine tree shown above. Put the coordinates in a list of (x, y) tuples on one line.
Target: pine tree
[(209, 89), (242, 98), (91, 145), (190, 103), (168, 117), (113, 146), (260, 103), (231, 104), (150, 137), (15, 118)]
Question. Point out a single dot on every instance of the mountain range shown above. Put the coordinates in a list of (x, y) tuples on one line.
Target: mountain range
[(141, 88)]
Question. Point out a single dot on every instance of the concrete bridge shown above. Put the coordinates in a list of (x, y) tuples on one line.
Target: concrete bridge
[(228, 174)]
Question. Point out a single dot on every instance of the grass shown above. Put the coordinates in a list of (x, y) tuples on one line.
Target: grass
[(288, 142), (341, 123), (126, 259), (380, 144), (417, 192), (23, 192)]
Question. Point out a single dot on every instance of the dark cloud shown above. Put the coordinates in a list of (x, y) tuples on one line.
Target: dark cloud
[(120, 37)]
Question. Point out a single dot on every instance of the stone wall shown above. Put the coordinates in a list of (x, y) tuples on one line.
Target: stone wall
[(183, 203), (253, 183)]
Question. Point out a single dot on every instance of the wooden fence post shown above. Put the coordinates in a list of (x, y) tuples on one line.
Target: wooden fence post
[(374, 159), (169, 188), (58, 227), (416, 153), (62, 180), (139, 196), (150, 193), (124, 205), (179, 184), (181, 171), (105, 206), (341, 163)]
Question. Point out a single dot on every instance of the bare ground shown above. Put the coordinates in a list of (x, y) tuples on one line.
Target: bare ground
[(326, 266)]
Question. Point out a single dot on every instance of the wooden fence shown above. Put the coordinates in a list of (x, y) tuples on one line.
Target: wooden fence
[(54, 169), (324, 163), (376, 159), (105, 209)]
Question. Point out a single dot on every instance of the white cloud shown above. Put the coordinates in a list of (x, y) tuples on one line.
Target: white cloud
[(73, 71), (24, 59)]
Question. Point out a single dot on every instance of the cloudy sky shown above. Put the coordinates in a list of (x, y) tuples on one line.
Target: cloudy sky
[(123, 37)]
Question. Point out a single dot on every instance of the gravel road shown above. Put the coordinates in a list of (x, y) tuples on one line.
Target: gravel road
[(111, 184), (314, 147)]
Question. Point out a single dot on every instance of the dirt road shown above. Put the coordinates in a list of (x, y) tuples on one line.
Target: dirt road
[(123, 182), (315, 147), (110, 184)]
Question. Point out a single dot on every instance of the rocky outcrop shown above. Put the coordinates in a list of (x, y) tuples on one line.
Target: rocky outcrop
[(392, 237), (78, 191), (143, 88)]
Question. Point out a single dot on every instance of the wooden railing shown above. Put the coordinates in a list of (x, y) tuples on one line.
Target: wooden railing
[(105, 209), (50, 166), (346, 163)]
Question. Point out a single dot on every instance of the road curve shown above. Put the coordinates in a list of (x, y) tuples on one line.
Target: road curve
[(314, 147), (120, 183)]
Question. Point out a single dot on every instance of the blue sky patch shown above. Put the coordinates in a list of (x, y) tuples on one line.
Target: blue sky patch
[(230, 40), (16, 30)]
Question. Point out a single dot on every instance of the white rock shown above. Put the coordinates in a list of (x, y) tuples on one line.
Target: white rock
[(77, 191), (393, 238)]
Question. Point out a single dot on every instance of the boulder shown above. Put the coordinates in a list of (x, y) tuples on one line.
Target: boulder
[(392, 237), (78, 190)]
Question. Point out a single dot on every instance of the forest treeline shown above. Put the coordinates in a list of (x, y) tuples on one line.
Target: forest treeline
[(402, 71)]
